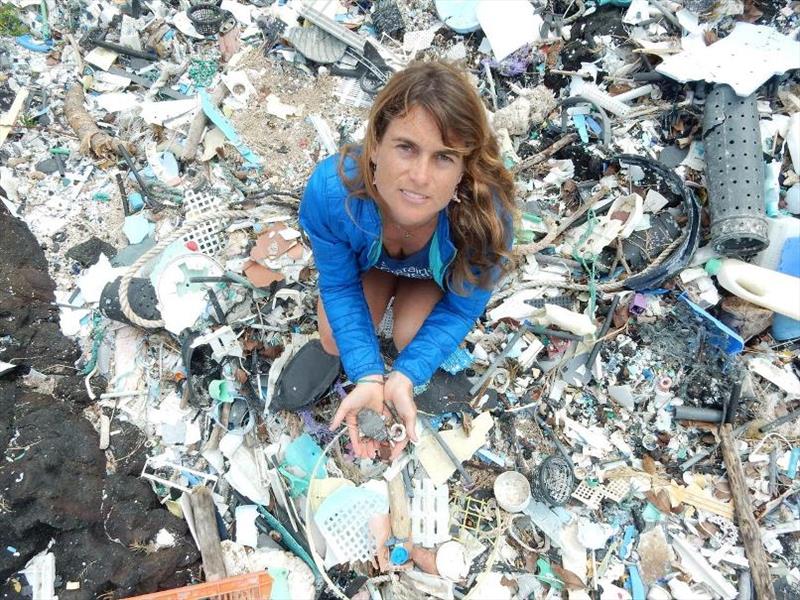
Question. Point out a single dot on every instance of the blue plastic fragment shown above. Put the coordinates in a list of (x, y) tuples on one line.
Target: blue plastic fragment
[(459, 360), (252, 159), (596, 128), (627, 538), (399, 555), (135, 202), (785, 327), (720, 335), (580, 124), (26, 41), (634, 584), (791, 470)]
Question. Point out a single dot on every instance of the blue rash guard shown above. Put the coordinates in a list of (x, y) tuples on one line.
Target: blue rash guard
[(346, 239)]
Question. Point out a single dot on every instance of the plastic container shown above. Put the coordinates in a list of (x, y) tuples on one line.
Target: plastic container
[(253, 586), (784, 327), (512, 491), (779, 231), (773, 290)]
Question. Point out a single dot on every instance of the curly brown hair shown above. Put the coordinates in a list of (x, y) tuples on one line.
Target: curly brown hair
[(476, 225)]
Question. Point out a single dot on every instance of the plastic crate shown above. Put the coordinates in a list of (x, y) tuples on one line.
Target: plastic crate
[(253, 586)]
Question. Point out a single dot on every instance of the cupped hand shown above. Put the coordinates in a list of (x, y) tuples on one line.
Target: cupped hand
[(364, 395), (398, 393)]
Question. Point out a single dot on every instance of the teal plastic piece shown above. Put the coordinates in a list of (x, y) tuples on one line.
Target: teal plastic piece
[(288, 540), (301, 456), (458, 15), (791, 470), (252, 159), (651, 514), (459, 360), (221, 390), (546, 575), (135, 202), (280, 584), (136, 228)]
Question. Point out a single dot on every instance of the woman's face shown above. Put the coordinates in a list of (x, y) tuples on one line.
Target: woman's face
[(415, 172)]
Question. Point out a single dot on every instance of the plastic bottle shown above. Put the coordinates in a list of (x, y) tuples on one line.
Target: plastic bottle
[(776, 291), (784, 327), (779, 231)]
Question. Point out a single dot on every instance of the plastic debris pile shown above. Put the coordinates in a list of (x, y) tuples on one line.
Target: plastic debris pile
[(633, 382)]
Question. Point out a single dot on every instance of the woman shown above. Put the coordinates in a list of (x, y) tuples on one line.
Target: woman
[(422, 212)]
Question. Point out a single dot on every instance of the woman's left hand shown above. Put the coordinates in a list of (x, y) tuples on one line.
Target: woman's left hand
[(398, 392)]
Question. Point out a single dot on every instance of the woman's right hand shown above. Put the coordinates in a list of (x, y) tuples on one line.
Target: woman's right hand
[(364, 395)]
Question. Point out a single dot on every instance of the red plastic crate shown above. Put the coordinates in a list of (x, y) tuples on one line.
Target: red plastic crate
[(253, 586)]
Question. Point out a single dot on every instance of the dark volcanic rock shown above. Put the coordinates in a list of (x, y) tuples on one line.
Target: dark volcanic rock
[(55, 483), (86, 253)]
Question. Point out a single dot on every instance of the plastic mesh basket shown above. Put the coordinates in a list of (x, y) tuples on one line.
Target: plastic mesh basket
[(206, 18), (210, 235), (735, 172), (343, 518), (252, 586)]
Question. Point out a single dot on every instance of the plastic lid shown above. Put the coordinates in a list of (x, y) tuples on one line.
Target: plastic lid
[(713, 266), (399, 555)]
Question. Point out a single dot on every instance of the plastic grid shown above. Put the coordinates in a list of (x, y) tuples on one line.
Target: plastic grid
[(430, 513), (350, 93), (208, 236), (590, 496), (343, 519), (616, 490), (474, 516)]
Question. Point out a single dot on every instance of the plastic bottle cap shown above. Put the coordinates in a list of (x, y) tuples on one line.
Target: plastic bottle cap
[(398, 555), (713, 266)]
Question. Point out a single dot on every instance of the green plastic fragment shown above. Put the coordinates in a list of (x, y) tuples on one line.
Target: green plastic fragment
[(546, 575), (532, 217), (651, 514)]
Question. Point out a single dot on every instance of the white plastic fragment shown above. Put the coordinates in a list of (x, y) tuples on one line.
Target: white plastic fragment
[(508, 25), (783, 378), (745, 59), (436, 462), (246, 530), (452, 561), (568, 320), (95, 278), (280, 109), (40, 571), (701, 571)]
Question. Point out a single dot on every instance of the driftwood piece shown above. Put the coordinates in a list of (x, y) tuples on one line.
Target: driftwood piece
[(743, 505), (198, 125), (205, 524), (92, 138)]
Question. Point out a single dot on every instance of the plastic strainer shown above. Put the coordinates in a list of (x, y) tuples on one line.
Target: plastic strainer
[(343, 519)]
